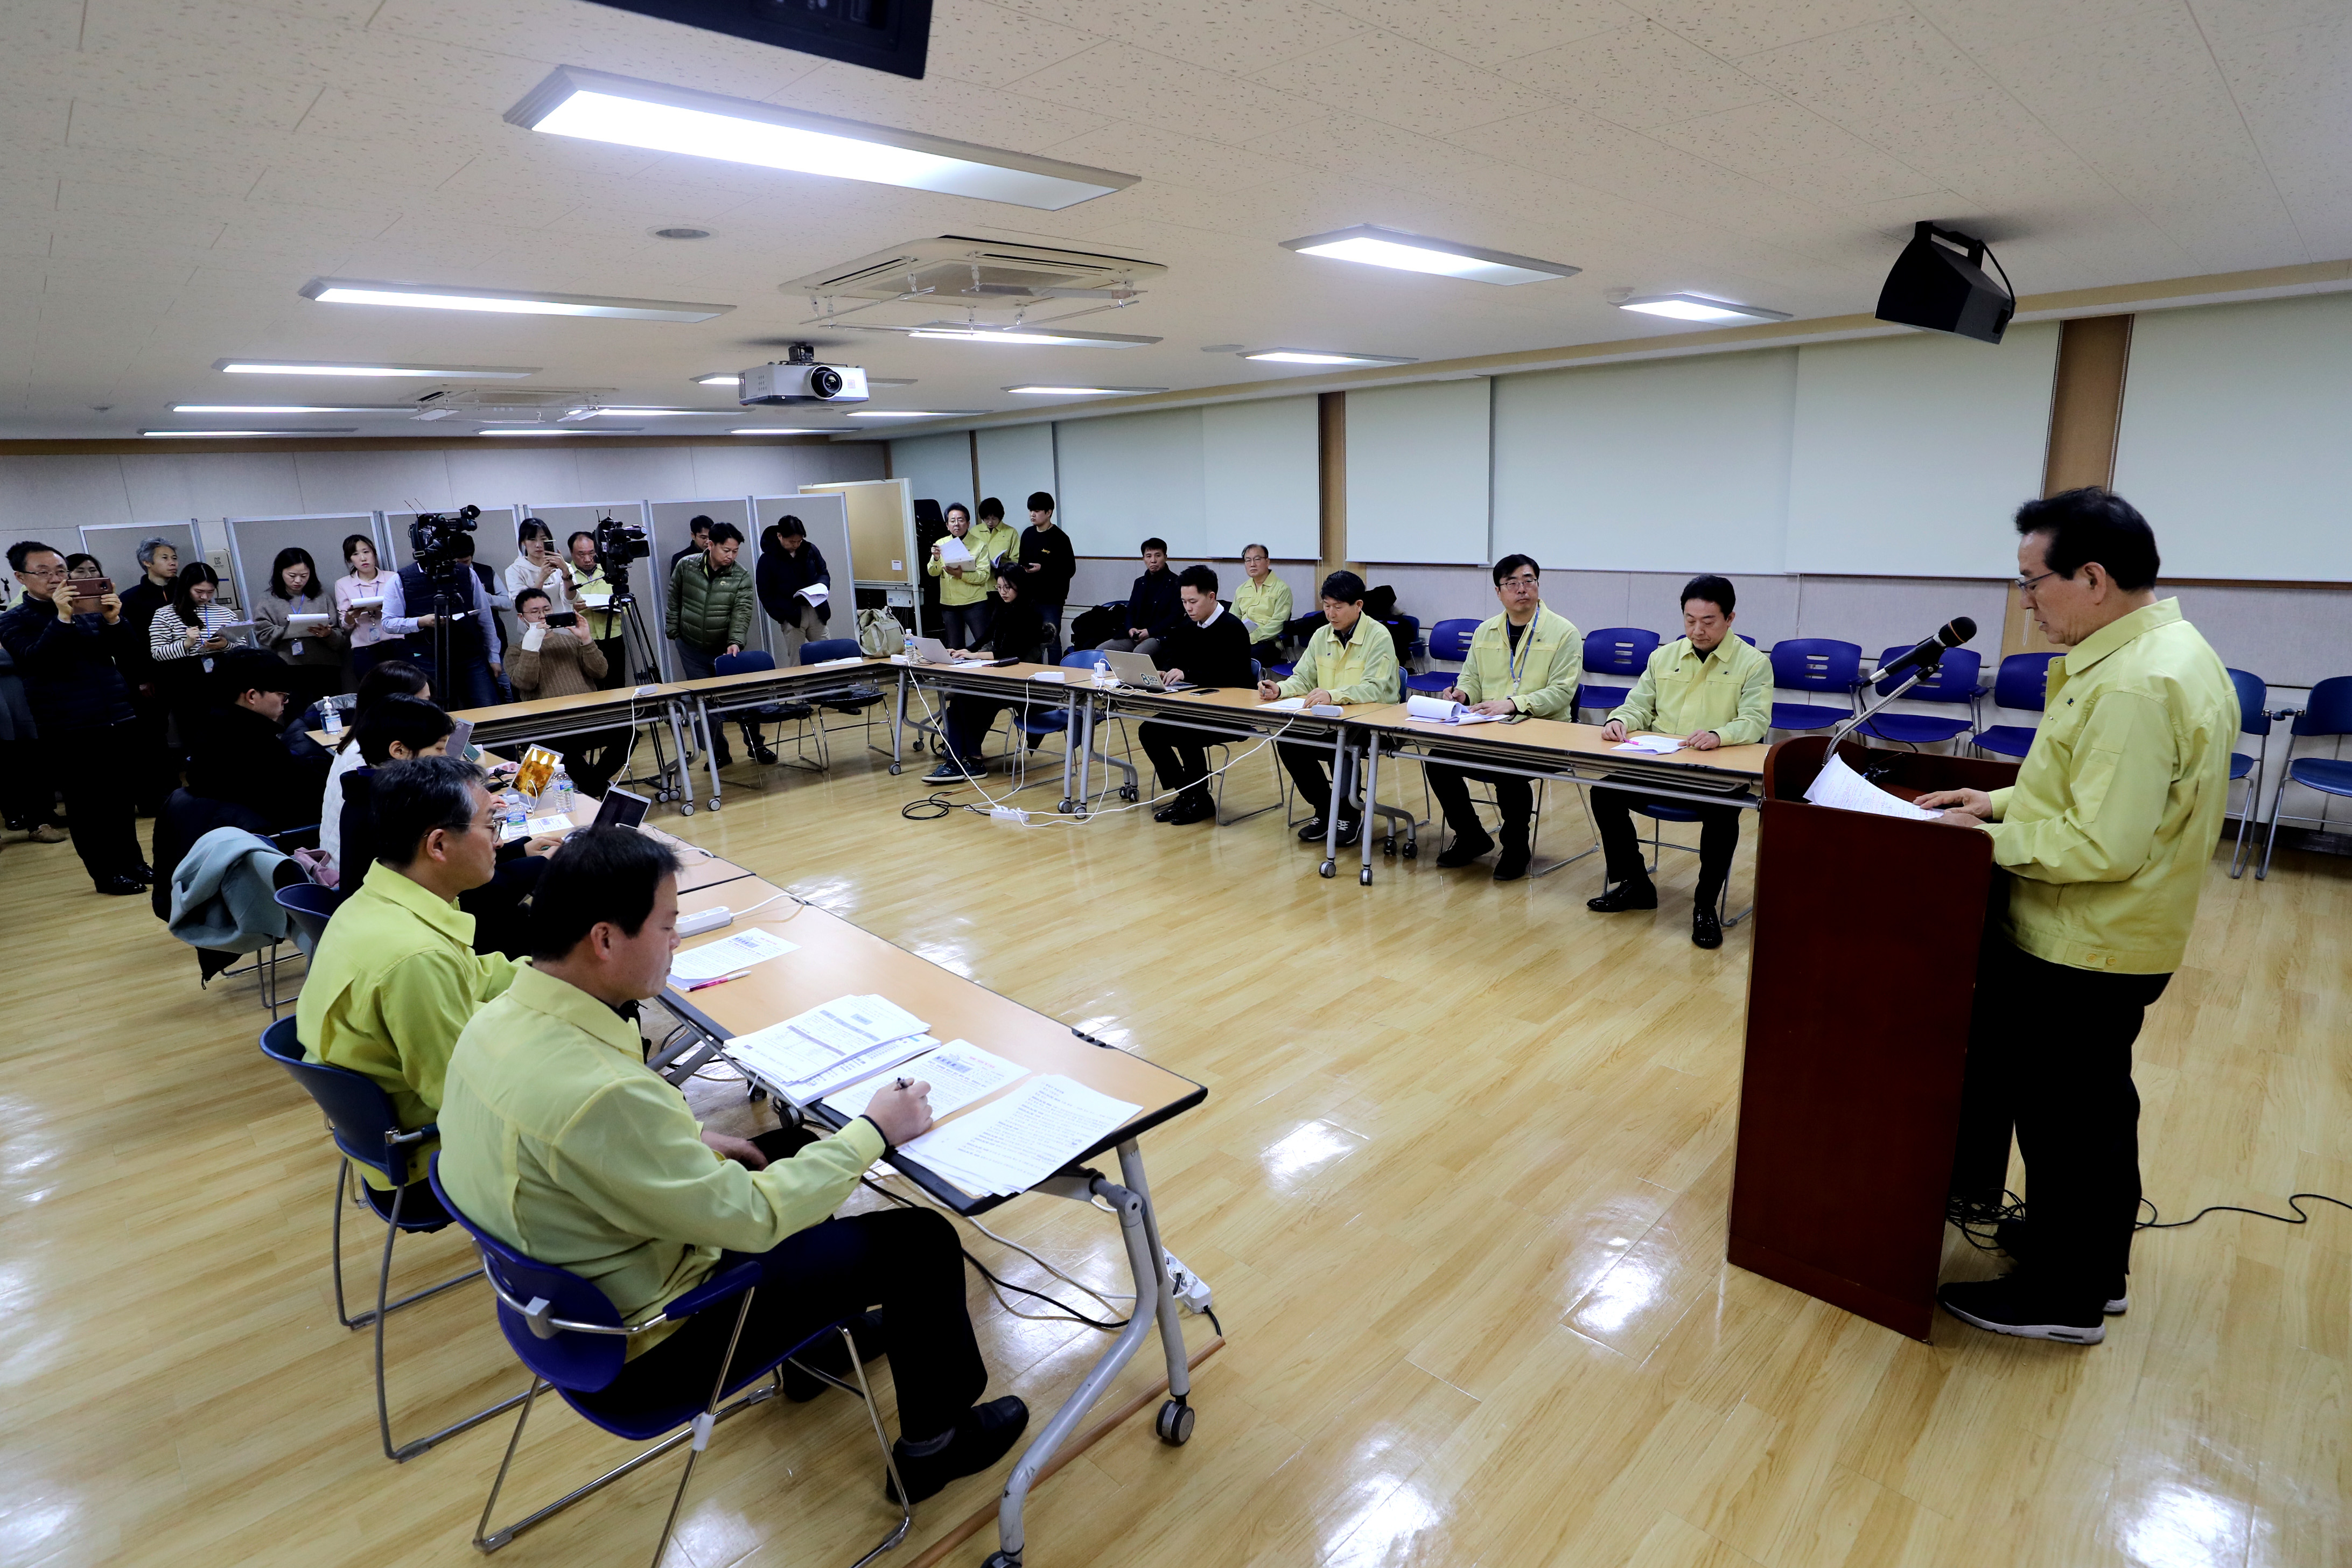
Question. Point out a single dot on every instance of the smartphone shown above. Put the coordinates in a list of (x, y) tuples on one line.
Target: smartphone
[(563, 617), (88, 591), (461, 736)]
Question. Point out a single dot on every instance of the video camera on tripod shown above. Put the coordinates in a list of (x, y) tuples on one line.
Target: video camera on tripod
[(439, 541), (617, 544)]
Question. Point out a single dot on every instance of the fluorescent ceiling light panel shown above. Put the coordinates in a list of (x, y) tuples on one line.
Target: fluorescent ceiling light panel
[(913, 412), (291, 408), (782, 432), (1082, 391), (314, 430), (1323, 356), (505, 302), (599, 107), (1074, 337), (1698, 307), (339, 367), (558, 430), (1376, 247)]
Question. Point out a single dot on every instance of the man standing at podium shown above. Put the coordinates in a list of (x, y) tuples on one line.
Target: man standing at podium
[(2105, 836)]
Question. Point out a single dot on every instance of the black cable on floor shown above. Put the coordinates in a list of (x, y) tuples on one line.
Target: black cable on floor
[(1981, 1228), (1005, 1284)]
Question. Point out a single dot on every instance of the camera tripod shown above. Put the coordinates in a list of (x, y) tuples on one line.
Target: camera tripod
[(640, 666)]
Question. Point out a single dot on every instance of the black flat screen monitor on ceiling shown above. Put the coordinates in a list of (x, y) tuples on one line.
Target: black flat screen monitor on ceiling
[(892, 36)]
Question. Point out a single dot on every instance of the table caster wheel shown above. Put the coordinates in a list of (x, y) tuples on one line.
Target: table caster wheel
[(714, 803), (685, 808), (1365, 876), (1001, 1560), (1127, 792), (1412, 848), (1174, 1425), (1388, 847), (894, 769), (1329, 867), (1064, 808)]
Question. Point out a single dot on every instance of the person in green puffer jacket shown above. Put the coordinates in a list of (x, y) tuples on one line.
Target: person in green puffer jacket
[(710, 603)]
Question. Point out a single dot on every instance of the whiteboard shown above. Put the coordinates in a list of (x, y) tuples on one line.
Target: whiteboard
[(1418, 472), (1912, 454), (1015, 462), (1261, 476), (1128, 477), (2237, 438), (1676, 465)]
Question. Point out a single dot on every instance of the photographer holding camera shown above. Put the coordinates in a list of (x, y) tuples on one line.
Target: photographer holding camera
[(443, 572), (605, 626)]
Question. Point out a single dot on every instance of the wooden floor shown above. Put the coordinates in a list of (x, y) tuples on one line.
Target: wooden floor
[(1459, 1187)]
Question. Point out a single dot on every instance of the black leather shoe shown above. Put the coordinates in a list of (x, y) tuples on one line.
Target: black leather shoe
[(1707, 928), (1512, 863), (1461, 851), (120, 886), (2013, 1237), (1347, 831), (1169, 807), (1642, 894), (1316, 826), (984, 1435), (1192, 811), (763, 753), (2018, 1304), (145, 872)]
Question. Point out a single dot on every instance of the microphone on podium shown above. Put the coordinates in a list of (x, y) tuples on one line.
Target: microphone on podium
[(1929, 653)]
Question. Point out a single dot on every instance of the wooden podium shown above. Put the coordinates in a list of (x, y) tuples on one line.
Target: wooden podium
[(1858, 1003)]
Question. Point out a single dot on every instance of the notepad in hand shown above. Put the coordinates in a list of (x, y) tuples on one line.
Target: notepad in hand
[(307, 623)]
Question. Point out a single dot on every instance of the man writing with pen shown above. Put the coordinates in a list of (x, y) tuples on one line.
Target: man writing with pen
[(558, 1140)]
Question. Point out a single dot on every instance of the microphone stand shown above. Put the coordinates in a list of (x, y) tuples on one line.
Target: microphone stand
[(1918, 673)]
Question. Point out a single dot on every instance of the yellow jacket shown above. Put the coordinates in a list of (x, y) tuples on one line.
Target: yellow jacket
[(395, 980), (1729, 692), (1541, 678), (558, 1140), (1267, 607), (1362, 669), (2119, 802), (971, 584)]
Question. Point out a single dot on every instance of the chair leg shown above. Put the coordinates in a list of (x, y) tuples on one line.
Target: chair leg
[(2270, 840), (407, 1451), (702, 1425), (890, 1464), (2246, 811)]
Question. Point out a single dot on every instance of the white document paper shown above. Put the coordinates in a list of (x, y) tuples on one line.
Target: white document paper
[(1051, 677), (1011, 1145), (595, 601), (1655, 745), (374, 604), (953, 552), (306, 623), (958, 1073), (740, 950), (1839, 786), (832, 1046), (1441, 710), (816, 593), (1287, 705)]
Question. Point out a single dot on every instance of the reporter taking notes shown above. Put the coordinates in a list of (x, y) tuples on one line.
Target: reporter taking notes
[(2105, 836)]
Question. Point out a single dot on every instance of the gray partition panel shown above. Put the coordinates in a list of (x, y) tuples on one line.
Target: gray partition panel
[(670, 520), (826, 519), (116, 545), (254, 543)]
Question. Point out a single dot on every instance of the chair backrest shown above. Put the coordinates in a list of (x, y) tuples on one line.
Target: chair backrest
[(358, 1112), (2253, 703), (1257, 670), (580, 1363), (1082, 658), (1816, 664), (744, 663), (2023, 682), (827, 648), (309, 905), (1619, 650), (1955, 680), (1451, 639), (2329, 709)]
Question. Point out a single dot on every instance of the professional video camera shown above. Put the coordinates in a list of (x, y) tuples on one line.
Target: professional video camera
[(438, 539), (617, 544)]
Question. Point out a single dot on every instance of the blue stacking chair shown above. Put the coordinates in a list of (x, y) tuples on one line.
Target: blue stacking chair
[(1665, 811), (1955, 681), (1448, 640), (2023, 682), (1615, 650), (860, 700), (1815, 664), (2329, 712), (2253, 719), (358, 1114), (759, 659), (571, 1339)]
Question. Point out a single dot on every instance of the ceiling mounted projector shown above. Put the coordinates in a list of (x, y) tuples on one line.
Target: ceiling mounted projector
[(1937, 284), (800, 379)]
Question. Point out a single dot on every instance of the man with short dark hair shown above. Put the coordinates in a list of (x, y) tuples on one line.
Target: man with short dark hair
[(2105, 836), (1524, 660), (1262, 602), (1048, 561), (80, 701), (795, 586), (249, 751), (396, 977), (1209, 648), (1152, 606), (709, 614), (560, 1141), (698, 533), (1349, 659), (1706, 688)]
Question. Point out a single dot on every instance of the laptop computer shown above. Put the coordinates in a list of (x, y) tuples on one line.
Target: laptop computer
[(619, 808), (929, 650), (1137, 669)]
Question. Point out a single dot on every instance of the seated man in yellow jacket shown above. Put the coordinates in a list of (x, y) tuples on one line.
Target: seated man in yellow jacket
[(561, 1141), (1706, 688), (1525, 661), (1349, 660), (2105, 836)]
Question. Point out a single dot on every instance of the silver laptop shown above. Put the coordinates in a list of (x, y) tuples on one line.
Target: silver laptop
[(929, 650), (1137, 669)]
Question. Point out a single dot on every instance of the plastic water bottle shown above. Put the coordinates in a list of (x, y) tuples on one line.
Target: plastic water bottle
[(517, 812), (331, 718), (557, 801)]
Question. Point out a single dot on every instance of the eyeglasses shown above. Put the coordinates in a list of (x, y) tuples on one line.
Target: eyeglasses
[(2025, 585), (1523, 580), (58, 571)]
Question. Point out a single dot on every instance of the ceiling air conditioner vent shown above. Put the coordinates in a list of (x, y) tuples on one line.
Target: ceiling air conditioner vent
[(957, 268)]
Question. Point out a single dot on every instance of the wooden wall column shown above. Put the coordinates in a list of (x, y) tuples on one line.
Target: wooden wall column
[(1331, 448), (2086, 406)]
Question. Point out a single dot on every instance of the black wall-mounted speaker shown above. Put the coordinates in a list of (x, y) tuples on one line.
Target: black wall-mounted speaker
[(892, 36), (1935, 286)]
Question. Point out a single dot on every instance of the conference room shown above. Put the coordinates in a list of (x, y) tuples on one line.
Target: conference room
[(1016, 783)]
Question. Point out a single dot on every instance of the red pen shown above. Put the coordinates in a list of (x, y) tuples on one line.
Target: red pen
[(706, 985)]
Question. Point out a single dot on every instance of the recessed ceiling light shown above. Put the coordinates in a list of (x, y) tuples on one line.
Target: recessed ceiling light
[(512, 302), (337, 367), (599, 107), (648, 413), (1324, 356), (1074, 337), (1697, 308), (772, 431), (314, 430), (724, 378), (679, 231), (291, 408), (1376, 247), (1082, 391), (912, 412), (556, 430)]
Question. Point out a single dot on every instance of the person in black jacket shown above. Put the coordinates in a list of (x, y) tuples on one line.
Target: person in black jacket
[(789, 566), (82, 706), (1047, 561), (1209, 646), (1018, 631), (1153, 609), (243, 751), (159, 770)]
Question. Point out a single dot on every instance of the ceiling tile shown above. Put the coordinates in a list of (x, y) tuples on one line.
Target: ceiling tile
[(1119, 81), (1976, 24), (1234, 37), (1168, 157), (1488, 32), (1868, 75), (548, 33), (1793, 148), (1637, 76), (1405, 84), (1734, 28), (2231, 21), (974, 41)]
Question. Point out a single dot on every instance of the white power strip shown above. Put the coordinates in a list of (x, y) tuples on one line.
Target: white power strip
[(702, 921), (1192, 1292), (1010, 814)]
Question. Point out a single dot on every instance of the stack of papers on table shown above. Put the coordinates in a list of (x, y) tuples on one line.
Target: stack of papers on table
[(726, 955), (829, 1048), (1287, 704), (958, 1073), (1655, 745), (1010, 1145), (1441, 710), (1839, 786)]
